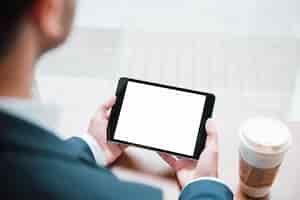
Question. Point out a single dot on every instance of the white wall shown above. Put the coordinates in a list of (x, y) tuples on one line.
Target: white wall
[(232, 16), (261, 63), (295, 108)]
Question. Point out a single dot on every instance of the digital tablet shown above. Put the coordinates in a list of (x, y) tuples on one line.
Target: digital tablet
[(160, 117)]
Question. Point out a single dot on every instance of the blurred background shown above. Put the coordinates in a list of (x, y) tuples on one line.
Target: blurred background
[(247, 49), (246, 52)]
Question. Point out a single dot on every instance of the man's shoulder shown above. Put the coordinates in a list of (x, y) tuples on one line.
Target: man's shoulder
[(30, 174), (35, 162)]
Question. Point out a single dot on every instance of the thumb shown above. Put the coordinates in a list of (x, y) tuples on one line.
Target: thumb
[(208, 162), (212, 135), (104, 108)]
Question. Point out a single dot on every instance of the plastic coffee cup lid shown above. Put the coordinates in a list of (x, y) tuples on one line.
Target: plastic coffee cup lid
[(266, 135)]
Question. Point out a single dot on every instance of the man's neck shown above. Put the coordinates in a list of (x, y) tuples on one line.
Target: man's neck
[(17, 70)]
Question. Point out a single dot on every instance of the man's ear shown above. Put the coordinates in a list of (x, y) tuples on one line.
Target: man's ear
[(47, 16)]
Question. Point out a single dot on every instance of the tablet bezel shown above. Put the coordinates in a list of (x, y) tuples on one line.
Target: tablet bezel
[(116, 109)]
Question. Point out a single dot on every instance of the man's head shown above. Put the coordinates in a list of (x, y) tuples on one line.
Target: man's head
[(48, 21)]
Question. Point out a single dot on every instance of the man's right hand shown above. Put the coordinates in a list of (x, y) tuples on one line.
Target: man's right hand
[(207, 166)]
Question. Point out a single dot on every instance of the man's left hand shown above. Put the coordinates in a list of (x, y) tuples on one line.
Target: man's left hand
[(97, 129)]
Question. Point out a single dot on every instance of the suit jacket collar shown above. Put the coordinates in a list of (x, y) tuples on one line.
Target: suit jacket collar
[(34, 112), (18, 135)]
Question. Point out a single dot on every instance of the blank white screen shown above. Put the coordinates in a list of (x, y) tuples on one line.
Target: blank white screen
[(160, 118)]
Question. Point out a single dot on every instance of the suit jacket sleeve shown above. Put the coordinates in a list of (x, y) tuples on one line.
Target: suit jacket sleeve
[(130, 190), (79, 148), (206, 190)]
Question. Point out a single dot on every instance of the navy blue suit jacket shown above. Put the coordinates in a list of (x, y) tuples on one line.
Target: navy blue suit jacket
[(34, 164)]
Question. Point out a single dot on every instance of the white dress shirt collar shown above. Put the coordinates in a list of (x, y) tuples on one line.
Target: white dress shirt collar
[(33, 111)]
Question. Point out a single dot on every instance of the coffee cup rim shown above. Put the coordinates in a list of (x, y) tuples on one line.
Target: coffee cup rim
[(283, 148)]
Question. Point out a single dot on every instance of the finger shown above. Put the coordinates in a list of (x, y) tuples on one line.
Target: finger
[(123, 146), (169, 159), (104, 108), (212, 134), (185, 163), (209, 162), (178, 164)]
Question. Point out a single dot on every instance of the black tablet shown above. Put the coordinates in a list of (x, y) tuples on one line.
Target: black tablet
[(160, 117)]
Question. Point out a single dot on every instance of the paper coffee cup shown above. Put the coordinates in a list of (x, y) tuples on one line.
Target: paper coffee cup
[(263, 144)]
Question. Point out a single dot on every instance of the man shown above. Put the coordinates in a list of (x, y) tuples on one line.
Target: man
[(35, 163)]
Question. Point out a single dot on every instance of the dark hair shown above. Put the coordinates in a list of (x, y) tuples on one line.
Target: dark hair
[(11, 13)]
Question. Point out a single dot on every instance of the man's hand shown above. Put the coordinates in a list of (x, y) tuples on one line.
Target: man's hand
[(206, 166), (97, 129)]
